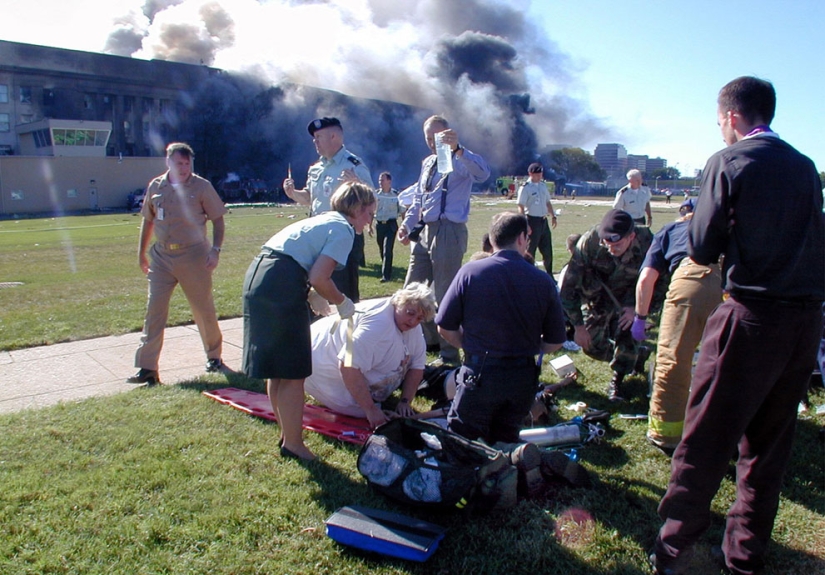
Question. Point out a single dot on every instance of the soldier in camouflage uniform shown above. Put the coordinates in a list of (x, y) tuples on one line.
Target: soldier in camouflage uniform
[(599, 293)]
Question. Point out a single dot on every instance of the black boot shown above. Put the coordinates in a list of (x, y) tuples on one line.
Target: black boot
[(641, 359), (613, 388)]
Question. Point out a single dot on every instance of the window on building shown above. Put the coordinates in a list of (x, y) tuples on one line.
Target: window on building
[(25, 94), (89, 101), (5, 123), (69, 137), (48, 97), (128, 103), (4, 94), (26, 118)]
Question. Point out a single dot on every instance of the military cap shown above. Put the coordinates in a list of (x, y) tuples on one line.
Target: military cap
[(616, 224), (322, 123)]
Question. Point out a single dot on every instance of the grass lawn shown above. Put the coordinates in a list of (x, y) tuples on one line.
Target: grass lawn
[(165, 481)]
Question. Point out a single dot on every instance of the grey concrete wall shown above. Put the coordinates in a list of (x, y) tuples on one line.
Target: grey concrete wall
[(33, 185)]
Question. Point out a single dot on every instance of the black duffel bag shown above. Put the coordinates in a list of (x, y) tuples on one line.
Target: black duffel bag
[(422, 464)]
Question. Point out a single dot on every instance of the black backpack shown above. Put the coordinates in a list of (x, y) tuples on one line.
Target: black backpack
[(422, 464)]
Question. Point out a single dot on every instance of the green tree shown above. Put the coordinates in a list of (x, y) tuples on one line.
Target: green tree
[(822, 179), (665, 174), (576, 165)]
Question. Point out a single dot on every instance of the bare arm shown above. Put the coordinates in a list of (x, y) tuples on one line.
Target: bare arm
[(218, 230), (552, 212), (550, 347), (358, 387), (644, 289), (454, 338), (146, 229), (411, 382), (320, 277), (300, 196)]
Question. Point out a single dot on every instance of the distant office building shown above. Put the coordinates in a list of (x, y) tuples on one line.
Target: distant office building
[(656, 164), (612, 158), (637, 162)]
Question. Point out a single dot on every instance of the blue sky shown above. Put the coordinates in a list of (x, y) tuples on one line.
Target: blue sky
[(649, 70), (653, 69)]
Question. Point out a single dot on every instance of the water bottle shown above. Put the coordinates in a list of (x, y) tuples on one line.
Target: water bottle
[(444, 155)]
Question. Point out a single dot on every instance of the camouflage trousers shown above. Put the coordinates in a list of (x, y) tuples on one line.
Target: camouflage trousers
[(608, 342)]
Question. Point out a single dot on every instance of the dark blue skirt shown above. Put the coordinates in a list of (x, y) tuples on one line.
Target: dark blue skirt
[(276, 319)]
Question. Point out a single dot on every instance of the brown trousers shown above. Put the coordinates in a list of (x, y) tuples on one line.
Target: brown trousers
[(167, 269), (694, 292)]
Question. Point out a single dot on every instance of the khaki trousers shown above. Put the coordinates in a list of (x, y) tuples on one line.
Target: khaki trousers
[(169, 268), (694, 293)]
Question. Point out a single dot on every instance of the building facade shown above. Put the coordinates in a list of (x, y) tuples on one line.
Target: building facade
[(143, 100)]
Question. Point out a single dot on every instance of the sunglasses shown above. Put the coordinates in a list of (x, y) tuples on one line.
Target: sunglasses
[(612, 238)]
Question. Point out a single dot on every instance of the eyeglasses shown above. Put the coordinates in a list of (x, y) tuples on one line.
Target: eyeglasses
[(612, 238)]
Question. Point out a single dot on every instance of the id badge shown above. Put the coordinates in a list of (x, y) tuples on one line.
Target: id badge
[(160, 214)]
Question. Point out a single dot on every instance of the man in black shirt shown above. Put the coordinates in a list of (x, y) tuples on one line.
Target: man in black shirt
[(759, 345)]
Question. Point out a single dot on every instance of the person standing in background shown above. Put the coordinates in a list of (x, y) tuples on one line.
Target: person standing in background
[(534, 201), (386, 222), (634, 199), (440, 209), (335, 166)]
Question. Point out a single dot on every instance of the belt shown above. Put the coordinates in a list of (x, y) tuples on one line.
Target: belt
[(507, 361), (792, 303), (173, 247), (385, 221)]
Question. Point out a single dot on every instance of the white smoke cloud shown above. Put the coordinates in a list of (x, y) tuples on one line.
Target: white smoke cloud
[(461, 58)]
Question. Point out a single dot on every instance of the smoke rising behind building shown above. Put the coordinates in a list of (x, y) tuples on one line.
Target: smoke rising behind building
[(483, 64)]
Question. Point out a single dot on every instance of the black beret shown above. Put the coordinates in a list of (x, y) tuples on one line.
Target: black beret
[(322, 123), (616, 225)]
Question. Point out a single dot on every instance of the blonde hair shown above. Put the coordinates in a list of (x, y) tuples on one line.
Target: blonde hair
[(417, 294), (351, 196)]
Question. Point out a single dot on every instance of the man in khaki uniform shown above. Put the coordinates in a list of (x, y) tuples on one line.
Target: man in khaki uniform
[(177, 207)]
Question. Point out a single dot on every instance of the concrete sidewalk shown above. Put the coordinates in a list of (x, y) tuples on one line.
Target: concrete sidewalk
[(42, 376)]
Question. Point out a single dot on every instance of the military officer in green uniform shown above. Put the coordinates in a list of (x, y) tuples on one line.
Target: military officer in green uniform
[(335, 166), (598, 294)]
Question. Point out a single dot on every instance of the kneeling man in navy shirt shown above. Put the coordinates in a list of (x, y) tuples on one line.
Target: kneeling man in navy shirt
[(502, 311)]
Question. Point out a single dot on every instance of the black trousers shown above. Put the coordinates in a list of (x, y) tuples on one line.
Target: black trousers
[(346, 279), (752, 372), (385, 235), (541, 239)]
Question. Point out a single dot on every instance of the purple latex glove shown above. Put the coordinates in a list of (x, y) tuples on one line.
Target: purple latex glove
[(637, 330)]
